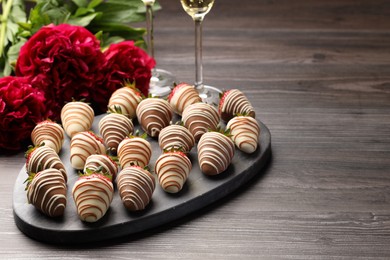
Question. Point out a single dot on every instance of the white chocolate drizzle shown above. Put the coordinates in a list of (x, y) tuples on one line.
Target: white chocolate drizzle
[(215, 153), (154, 114), (127, 99), (76, 117), (43, 158), (176, 136), (172, 170), (183, 97), (235, 102), (50, 133), (114, 128), (82, 146), (93, 197), (245, 133), (135, 151), (199, 118), (136, 187), (96, 161), (47, 192)]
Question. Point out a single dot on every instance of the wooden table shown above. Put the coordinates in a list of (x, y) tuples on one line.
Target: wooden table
[(318, 74)]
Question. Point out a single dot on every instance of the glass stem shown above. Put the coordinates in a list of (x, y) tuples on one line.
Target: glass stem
[(198, 55), (149, 31)]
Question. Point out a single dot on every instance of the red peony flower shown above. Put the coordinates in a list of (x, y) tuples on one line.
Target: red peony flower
[(64, 62), (21, 108), (125, 62)]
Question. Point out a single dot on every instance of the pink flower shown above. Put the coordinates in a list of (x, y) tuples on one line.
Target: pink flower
[(126, 62), (21, 108), (64, 62)]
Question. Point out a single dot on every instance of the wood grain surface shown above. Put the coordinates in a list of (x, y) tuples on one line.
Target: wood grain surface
[(318, 75)]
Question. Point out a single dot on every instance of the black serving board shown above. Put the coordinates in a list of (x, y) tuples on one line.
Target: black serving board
[(199, 191)]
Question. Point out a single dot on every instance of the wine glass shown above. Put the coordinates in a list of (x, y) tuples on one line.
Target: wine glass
[(161, 81), (198, 9)]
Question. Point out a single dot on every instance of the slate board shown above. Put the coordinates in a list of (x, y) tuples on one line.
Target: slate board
[(199, 191)]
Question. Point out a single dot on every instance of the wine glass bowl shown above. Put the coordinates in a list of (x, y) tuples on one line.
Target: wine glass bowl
[(198, 9)]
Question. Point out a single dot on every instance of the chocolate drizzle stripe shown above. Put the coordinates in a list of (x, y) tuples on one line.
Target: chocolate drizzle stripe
[(51, 134), (76, 117), (114, 128), (127, 100), (185, 96), (216, 150), (134, 150), (172, 170), (200, 117), (83, 145), (136, 187), (154, 114), (176, 136), (47, 192), (245, 133), (91, 195), (44, 158), (94, 161), (236, 102)]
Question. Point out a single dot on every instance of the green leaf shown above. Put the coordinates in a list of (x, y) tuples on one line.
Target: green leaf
[(24, 34), (114, 39), (99, 35), (82, 11), (13, 12), (7, 69), (48, 12), (121, 30), (12, 56), (83, 21), (81, 3), (12, 29), (119, 13), (94, 3), (13, 51), (106, 40), (25, 26)]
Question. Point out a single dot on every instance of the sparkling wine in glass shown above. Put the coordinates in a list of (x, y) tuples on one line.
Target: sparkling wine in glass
[(162, 80), (198, 9)]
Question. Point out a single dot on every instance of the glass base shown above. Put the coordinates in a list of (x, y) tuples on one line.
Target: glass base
[(161, 83), (210, 95)]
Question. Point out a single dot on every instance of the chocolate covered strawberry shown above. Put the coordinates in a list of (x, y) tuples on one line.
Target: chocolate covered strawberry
[(182, 96), (76, 117), (136, 186), (172, 169), (46, 190), (234, 102), (50, 133), (199, 118), (127, 99), (215, 152), (114, 127), (103, 164), (92, 195), (83, 145), (40, 158), (245, 132), (134, 150), (154, 114), (176, 136)]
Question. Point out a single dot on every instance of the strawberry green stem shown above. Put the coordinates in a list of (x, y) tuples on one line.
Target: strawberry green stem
[(4, 20)]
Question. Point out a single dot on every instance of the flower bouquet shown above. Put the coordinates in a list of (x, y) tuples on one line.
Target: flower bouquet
[(63, 51)]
